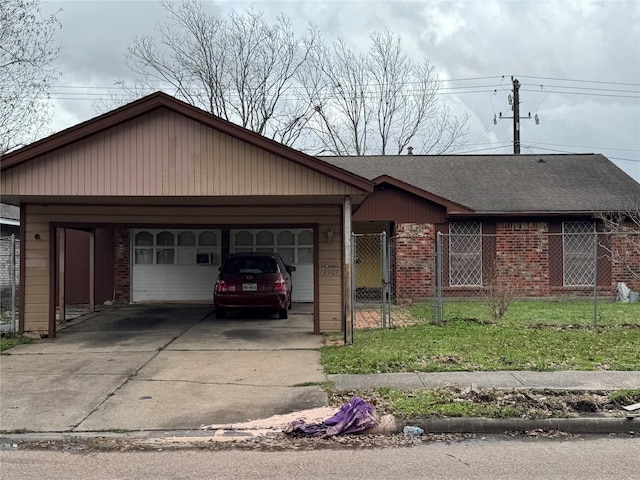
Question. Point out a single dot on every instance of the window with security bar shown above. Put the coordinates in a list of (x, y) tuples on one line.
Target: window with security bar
[(579, 257), (465, 254)]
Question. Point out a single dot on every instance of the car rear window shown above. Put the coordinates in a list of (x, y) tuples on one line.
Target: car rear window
[(254, 266)]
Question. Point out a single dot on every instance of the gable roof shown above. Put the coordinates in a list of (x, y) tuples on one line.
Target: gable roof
[(495, 184), (162, 100)]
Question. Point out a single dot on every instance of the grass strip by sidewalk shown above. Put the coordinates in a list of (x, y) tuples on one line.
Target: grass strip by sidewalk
[(456, 402)]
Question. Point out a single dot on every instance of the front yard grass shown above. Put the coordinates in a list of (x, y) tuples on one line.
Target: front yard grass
[(533, 335), (10, 339)]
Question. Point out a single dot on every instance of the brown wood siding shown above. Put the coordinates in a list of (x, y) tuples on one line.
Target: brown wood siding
[(393, 204), (77, 279), (36, 281), (77, 267), (555, 254), (165, 154), (38, 219), (488, 251)]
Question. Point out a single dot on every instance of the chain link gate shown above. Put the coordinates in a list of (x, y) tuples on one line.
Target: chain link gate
[(370, 281), (9, 282)]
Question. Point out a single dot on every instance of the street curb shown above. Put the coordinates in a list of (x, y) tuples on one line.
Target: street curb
[(630, 424), (390, 425)]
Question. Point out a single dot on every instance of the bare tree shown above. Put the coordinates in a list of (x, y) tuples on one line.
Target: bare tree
[(26, 73), (622, 237), (296, 90), (239, 68), (378, 103)]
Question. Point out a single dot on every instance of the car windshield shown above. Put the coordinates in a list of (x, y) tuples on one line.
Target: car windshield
[(254, 265)]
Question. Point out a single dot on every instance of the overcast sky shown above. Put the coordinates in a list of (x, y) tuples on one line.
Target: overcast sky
[(578, 62)]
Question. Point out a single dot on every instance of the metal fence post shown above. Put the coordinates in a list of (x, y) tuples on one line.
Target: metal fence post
[(383, 262), (387, 293), (348, 332), (595, 279)]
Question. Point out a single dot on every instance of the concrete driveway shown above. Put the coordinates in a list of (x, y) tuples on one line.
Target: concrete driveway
[(162, 367)]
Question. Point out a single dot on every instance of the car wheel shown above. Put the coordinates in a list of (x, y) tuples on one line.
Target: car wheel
[(290, 305), (220, 313), (283, 313)]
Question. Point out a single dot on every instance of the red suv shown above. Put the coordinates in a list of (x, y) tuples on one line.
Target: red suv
[(253, 281)]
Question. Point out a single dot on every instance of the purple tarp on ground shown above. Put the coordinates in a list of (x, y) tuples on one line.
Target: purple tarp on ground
[(353, 417)]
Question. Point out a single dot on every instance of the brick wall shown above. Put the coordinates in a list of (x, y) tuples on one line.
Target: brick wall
[(122, 277), (627, 247), (522, 257), (412, 263)]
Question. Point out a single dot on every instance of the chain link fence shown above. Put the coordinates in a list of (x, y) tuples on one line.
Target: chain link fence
[(536, 276), (9, 283), (370, 281)]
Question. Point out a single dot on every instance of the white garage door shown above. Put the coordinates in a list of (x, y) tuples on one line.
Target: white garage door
[(295, 246), (174, 265)]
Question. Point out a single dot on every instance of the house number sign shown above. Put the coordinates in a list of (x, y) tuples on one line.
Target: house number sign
[(329, 271)]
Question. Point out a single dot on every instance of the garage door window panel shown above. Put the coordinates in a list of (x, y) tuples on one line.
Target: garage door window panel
[(143, 256), (208, 250)]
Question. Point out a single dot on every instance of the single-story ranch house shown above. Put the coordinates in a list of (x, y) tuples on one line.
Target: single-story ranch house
[(141, 204)]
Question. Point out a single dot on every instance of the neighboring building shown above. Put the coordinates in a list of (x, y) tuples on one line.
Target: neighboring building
[(9, 220), (532, 215), (9, 250)]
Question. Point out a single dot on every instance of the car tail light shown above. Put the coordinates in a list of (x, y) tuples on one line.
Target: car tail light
[(279, 285), (221, 287)]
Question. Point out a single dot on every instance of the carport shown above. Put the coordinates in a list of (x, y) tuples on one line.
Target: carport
[(161, 190)]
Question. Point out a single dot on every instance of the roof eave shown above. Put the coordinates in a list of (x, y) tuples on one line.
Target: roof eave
[(522, 213)]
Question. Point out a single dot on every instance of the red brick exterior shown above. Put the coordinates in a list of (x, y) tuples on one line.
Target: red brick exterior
[(626, 246), (122, 278), (522, 255), (412, 251)]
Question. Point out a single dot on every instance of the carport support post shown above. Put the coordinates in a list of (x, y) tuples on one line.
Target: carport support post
[(92, 270), (62, 245), (346, 236)]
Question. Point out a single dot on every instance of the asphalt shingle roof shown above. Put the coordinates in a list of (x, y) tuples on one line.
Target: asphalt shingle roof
[(508, 183)]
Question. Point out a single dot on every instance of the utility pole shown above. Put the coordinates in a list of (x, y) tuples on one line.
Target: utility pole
[(515, 105), (516, 116)]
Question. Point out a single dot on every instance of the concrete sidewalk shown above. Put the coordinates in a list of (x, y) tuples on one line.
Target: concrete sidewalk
[(564, 380)]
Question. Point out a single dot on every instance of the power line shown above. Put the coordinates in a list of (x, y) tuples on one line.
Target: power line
[(587, 94), (586, 146), (580, 81)]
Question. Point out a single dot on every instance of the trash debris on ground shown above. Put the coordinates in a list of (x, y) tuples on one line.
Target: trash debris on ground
[(412, 430), (275, 422), (631, 408), (355, 416), (622, 292)]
